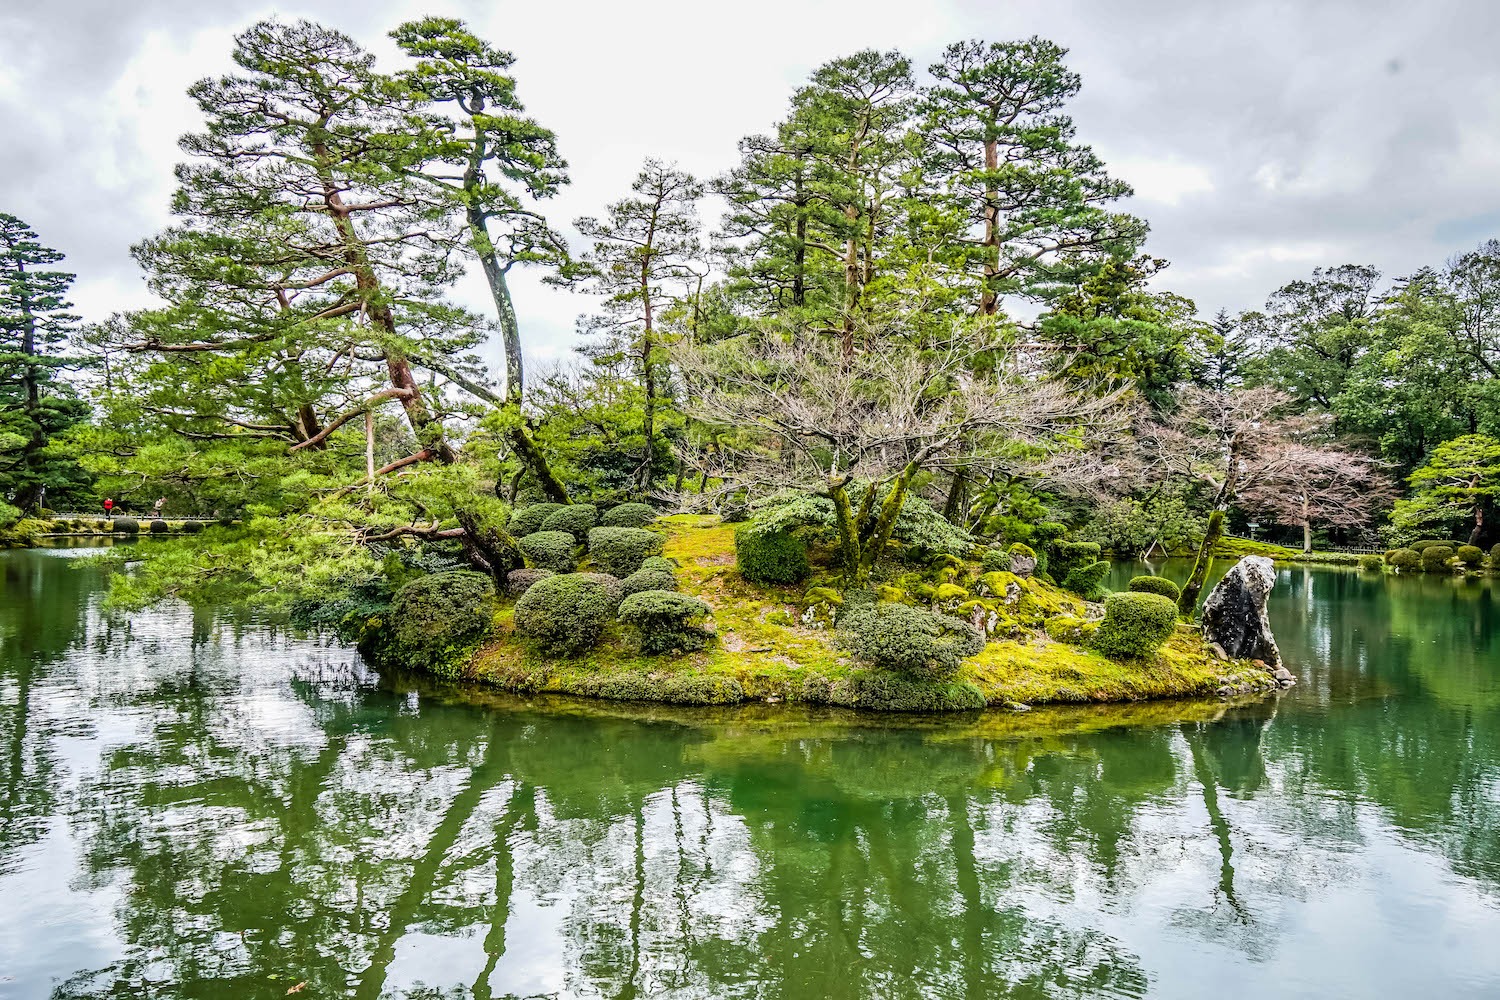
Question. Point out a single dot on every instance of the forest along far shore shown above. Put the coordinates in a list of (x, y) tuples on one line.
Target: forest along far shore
[(807, 451)]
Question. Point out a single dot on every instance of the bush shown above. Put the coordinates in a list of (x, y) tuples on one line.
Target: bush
[(435, 621), (924, 644), (664, 621), (1435, 558), (1067, 556), (1087, 581), (1389, 555), (1155, 585), (550, 550), (648, 578), (1495, 556), (620, 551), (192, 527), (575, 518), (1371, 563), (614, 590), (658, 562), (529, 519), (1135, 625), (995, 559), (1470, 555), (770, 556), (565, 614), (887, 692), (125, 526), (1407, 560), (629, 515), (518, 581), (159, 527)]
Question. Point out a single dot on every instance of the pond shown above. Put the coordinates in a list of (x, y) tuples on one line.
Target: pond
[(196, 805)]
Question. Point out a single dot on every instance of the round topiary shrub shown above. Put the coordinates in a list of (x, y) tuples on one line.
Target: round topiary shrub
[(576, 519), (159, 527), (192, 527), (1435, 558), (770, 556), (648, 578), (1135, 625), (629, 515), (620, 551), (614, 589), (1087, 581), (518, 581), (1371, 563), (1469, 555), (1155, 585), (435, 622), (125, 526), (993, 560), (1495, 556), (658, 562), (529, 519), (1389, 554), (664, 621), (919, 642), (565, 614), (550, 550), (1066, 556), (1407, 560)]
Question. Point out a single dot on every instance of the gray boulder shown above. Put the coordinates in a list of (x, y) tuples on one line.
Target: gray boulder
[(1022, 565), (1234, 616)]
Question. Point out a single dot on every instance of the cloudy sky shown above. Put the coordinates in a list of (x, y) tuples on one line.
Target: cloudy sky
[(1263, 138)]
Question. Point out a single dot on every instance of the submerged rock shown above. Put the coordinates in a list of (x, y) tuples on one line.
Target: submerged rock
[(1234, 616)]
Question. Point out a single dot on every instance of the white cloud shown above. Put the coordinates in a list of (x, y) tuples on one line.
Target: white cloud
[(1166, 182)]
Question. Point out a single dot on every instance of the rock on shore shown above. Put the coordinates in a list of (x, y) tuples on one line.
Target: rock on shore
[(1234, 616)]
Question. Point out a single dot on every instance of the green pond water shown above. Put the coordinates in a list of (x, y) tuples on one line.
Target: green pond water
[(193, 805)]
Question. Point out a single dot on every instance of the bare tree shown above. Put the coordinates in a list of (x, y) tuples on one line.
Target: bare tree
[(810, 418), (1306, 484)]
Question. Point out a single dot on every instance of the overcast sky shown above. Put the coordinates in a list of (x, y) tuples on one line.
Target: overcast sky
[(1263, 138)]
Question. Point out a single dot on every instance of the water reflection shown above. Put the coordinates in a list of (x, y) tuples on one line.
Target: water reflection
[(196, 806)]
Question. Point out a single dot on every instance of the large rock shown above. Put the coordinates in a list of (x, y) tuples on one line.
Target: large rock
[(1234, 616)]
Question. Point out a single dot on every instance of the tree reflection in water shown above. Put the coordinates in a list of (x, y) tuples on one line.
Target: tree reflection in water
[(241, 811)]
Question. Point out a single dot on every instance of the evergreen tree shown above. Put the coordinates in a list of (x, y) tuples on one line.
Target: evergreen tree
[(36, 403)]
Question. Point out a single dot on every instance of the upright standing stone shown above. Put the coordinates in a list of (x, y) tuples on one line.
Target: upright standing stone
[(1234, 616)]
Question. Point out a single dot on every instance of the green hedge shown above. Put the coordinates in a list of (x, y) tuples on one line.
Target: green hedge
[(1155, 585), (1135, 625), (1066, 556), (1407, 560), (1087, 581), (648, 578), (614, 589), (435, 622), (529, 519), (664, 621), (552, 550), (629, 515), (1495, 556), (565, 614), (1371, 563), (620, 551), (770, 556), (1470, 555), (922, 643), (1435, 558), (575, 518)]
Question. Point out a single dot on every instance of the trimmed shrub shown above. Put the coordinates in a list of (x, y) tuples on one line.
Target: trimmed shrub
[(995, 559), (664, 621), (159, 527), (564, 614), (883, 691), (629, 515), (436, 621), (925, 644), (648, 578), (550, 550), (1067, 556), (1371, 563), (1426, 544), (1135, 625), (658, 562), (1495, 556), (1470, 555), (675, 689), (1087, 581), (192, 527), (614, 588), (620, 551), (1155, 585), (1389, 554), (770, 556), (529, 519), (1407, 560), (1435, 558), (575, 518), (518, 581), (125, 526)]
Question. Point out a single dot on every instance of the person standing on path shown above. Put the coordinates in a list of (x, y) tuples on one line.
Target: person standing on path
[(109, 507), (156, 508)]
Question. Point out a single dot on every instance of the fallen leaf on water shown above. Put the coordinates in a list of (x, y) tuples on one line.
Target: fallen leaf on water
[(297, 988)]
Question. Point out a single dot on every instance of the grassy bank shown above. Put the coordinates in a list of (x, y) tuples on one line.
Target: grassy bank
[(773, 647)]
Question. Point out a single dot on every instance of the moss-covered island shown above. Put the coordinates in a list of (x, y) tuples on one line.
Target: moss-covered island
[(677, 619)]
